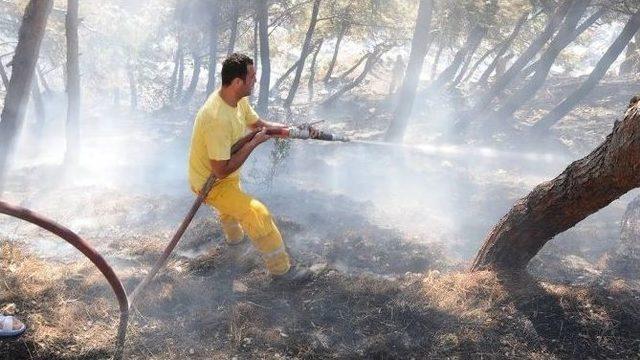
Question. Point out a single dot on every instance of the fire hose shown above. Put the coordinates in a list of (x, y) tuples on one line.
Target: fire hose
[(126, 302)]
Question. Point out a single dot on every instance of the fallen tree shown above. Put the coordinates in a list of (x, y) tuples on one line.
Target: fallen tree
[(584, 187)]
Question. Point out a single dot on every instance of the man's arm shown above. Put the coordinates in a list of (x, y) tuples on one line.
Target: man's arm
[(222, 168), (266, 124)]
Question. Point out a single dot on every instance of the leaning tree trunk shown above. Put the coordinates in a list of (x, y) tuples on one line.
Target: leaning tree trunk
[(234, 27), (213, 48), (353, 68), (616, 48), (284, 76), (312, 71), (24, 62), (528, 91), (470, 45), (584, 26), (343, 30), (306, 49), (506, 45), (502, 82), (584, 187), (265, 62), (372, 59), (73, 83), (407, 92)]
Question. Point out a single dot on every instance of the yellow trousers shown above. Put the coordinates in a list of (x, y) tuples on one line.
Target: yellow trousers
[(241, 213)]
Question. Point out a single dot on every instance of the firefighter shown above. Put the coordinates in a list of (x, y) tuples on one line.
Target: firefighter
[(225, 117)]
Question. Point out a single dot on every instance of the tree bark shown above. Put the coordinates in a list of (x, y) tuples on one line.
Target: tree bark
[(343, 30), (73, 83), (306, 49), (24, 61), (213, 48), (265, 62), (191, 89), (594, 78), (502, 82), (407, 92), (235, 13), (312, 70), (528, 91), (507, 44), (584, 187), (372, 59)]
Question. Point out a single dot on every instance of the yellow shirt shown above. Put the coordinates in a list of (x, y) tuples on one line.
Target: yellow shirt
[(217, 127)]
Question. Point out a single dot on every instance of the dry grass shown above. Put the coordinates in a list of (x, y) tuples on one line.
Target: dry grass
[(193, 311)]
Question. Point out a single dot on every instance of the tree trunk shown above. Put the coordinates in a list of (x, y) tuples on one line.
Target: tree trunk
[(502, 82), (43, 80), (213, 48), (372, 59), (234, 27), (3, 75), (507, 44), (473, 41), (180, 83), (584, 26), (306, 49), (436, 61), (586, 186), (465, 67), (133, 87), (343, 30), (265, 62), (24, 62), (528, 91), (407, 92), (312, 71), (594, 78), (73, 83), (476, 65), (354, 67), (176, 69), (284, 76), (625, 259), (38, 105), (191, 89), (255, 39)]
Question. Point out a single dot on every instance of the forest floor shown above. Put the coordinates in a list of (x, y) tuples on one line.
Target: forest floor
[(388, 233)]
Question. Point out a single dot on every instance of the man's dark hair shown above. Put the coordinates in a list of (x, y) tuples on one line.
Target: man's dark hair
[(235, 66)]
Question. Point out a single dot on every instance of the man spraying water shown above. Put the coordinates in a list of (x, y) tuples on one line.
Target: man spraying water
[(222, 121)]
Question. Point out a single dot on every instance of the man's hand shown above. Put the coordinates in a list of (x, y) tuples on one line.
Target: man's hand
[(261, 137), (313, 132)]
